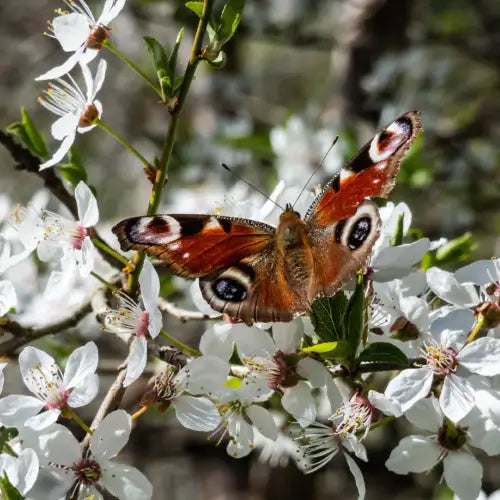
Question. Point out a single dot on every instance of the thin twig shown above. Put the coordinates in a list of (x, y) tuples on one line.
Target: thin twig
[(24, 335), (183, 314)]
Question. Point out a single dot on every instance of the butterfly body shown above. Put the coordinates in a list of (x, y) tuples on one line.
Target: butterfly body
[(255, 272)]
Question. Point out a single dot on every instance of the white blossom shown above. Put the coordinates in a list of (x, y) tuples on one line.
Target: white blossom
[(79, 32), (21, 471), (53, 390), (78, 111)]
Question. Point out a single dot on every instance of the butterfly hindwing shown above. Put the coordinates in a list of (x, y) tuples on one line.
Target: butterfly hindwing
[(194, 245)]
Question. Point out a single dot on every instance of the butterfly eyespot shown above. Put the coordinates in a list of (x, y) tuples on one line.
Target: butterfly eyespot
[(229, 290), (359, 233)]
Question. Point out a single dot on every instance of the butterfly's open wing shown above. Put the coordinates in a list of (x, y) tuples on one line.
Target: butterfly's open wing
[(194, 245), (344, 227)]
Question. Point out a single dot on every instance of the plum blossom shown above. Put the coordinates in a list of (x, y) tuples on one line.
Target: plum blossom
[(78, 111), (141, 321), (64, 466), (320, 443), (445, 443), (53, 390), (79, 32), (21, 471), (58, 237), (448, 359), (199, 376)]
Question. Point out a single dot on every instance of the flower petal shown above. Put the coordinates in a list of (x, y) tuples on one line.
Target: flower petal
[(287, 336), (299, 402), (71, 30), (386, 405), (37, 368), (457, 397), (414, 454), (482, 272), (426, 414), (88, 213), (357, 475), (218, 341), (405, 255), (263, 420), (446, 287), (81, 363), (85, 392), (206, 374), (252, 341), (110, 10), (136, 361), (8, 299), (481, 356), (65, 67), (410, 386), (111, 435), (27, 470), (65, 146), (314, 371), (197, 414), (463, 474), (124, 481)]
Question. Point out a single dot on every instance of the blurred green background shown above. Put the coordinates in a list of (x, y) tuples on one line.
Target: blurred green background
[(298, 74)]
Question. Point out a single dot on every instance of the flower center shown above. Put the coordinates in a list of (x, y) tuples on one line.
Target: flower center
[(142, 324), (164, 385), (353, 416), (88, 116), (273, 369), (79, 236), (57, 397), (87, 471), (98, 34), (440, 359)]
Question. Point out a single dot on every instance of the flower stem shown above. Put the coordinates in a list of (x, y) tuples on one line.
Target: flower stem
[(123, 141), (8, 449), (70, 412), (384, 421), (132, 65), (103, 281), (163, 164), (183, 347), (480, 322), (99, 243), (140, 412)]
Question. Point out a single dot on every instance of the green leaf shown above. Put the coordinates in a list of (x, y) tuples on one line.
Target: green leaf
[(161, 64), (172, 61), (29, 135), (321, 348), (397, 237), (355, 314), (229, 20), (341, 354), (196, 7), (383, 352), (327, 316), (74, 171), (8, 492), (233, 382), (456, 250), (6, 434)]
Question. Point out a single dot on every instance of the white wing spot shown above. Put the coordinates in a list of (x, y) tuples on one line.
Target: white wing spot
[(185, 255)]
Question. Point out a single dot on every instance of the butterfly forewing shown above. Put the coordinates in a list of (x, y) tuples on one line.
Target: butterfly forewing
[(371, 172), (194, 245)]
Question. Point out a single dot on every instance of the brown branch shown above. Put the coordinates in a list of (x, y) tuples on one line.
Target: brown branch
[(183, 314), (24, 335), (25, 160)]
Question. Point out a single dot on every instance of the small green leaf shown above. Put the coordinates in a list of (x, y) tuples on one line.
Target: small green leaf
[(172, 61), (327, 316), (8, 492), (229, 20), (341, 354), (161, 64), (233, 382), (29, 135), (355, 314), (322, 347), (6, 434), (397, 237), (196, 7), (455, 250), (74, 171), (383, 352)]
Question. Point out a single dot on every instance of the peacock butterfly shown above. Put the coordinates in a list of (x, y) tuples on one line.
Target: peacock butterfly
[(256, 272)]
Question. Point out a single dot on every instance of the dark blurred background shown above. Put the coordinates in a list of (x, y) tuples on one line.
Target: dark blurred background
[(297, 72)]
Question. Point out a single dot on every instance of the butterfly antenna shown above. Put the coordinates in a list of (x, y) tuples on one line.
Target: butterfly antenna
[(318, 166), (223, 165)]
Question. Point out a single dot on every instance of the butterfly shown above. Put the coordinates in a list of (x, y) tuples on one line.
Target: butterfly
[(255, 272)]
